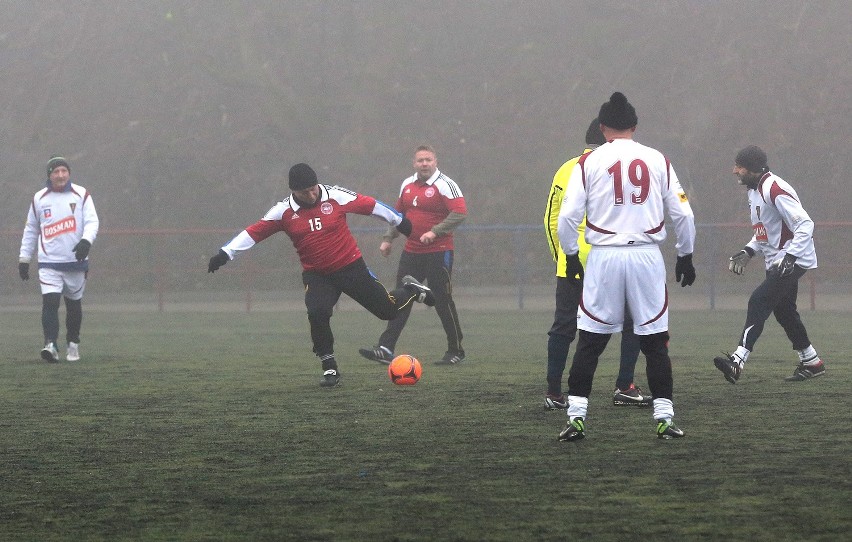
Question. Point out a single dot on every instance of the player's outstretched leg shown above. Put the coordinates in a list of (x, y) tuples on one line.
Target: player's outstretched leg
[(424, 294), (379, 353), (731, 367)]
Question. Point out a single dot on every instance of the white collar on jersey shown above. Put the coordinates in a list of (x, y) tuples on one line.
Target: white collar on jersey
[(322, 197), (430, 180)]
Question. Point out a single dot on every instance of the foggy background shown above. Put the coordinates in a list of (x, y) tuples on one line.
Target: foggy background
[(188, 114)]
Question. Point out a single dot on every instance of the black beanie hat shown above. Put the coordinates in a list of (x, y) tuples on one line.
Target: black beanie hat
[(55, 162), (752, 158), (302, 177), (594, 136), (617, 113)]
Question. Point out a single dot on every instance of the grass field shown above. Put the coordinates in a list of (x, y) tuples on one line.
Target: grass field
[(183, 426)]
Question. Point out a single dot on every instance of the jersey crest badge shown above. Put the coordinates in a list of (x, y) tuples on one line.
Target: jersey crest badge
[(429, 192), (682, 197), (326, 208), (47, 213), (73, 206)]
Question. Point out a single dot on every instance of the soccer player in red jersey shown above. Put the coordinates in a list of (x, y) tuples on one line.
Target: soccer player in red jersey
[(435, 205), (314, 217)]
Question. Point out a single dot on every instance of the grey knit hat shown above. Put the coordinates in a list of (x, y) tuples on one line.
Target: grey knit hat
[(55, 162)]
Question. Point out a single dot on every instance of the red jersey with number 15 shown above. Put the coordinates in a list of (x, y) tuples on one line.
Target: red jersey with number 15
[(426, 204), (319, 233)]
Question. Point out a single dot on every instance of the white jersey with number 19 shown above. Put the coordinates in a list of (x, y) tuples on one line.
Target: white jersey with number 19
[(627, 189)]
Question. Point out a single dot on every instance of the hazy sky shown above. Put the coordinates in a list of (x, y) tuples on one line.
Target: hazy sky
[(189, 113)]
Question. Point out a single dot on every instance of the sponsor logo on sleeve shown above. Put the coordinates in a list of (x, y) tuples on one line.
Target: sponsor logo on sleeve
[(682, 197), (760, 233)]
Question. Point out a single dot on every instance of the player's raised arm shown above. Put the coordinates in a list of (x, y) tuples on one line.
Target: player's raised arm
[(246, 239), (392, 217)]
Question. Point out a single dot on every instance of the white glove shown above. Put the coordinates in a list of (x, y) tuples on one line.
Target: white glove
[(738, 262)]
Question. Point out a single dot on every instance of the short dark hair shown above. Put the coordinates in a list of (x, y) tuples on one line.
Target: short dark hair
[(427, 148), (752, 158), (594, 136)]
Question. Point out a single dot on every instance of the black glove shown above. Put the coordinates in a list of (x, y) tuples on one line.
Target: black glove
[(685, 270), (783, 267), (404, 227), (217, 261), (81, 249), (573, 266), (24, 270)]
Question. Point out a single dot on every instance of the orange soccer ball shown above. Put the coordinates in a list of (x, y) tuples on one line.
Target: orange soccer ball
[(405, 370)]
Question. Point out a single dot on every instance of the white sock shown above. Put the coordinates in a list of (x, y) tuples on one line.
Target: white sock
[(809, 356), (742, 352), (663, 410), (577, 406)]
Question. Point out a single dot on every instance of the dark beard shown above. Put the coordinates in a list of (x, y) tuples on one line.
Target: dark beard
[(751, 180)]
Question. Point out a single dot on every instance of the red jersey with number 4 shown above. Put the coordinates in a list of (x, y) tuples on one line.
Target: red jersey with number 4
[(426, 204), (319, 233)]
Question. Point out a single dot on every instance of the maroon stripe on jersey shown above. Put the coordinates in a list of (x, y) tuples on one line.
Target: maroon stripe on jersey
[(786, 235), (658, 228), (760, 184), (775, 191), (582, 162), (590, 315), (597, 229), (668, 174), (662, 312)]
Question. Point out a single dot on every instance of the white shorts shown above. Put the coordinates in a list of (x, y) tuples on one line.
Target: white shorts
[(619, 276), (70, 284)]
